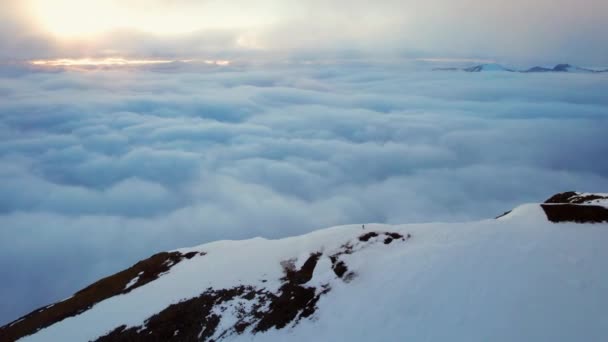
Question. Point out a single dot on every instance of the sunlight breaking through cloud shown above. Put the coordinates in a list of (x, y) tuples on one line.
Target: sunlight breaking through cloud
[(117, 61)]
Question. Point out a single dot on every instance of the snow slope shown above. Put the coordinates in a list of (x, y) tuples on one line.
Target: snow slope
[(516, 278)]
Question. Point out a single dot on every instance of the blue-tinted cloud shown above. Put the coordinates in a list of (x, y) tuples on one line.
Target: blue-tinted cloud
[(102, 168)]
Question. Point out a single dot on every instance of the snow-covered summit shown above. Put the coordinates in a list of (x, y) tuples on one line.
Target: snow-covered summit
[(494, 67), (564, 68), (479, 68), (488, 67), (520, 277)]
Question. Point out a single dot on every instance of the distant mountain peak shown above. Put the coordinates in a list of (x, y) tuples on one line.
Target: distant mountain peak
[(494, 67), (562, 67), (487, 67)]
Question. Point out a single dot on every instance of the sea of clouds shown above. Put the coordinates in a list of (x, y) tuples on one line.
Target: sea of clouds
[(99, 169)]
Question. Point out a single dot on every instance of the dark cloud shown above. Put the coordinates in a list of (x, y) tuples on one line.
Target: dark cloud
[(102, 168)]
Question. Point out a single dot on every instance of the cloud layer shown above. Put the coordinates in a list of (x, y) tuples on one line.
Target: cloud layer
[(102, 168)]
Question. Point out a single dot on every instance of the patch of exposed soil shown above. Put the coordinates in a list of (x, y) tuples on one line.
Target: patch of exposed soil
[(389, 235), (575, 213), (339, 266), (294, 299), (144, 271), (304, 274), (367, 236)]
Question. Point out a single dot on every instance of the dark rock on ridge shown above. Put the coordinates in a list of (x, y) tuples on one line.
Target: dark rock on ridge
[(575, 207)]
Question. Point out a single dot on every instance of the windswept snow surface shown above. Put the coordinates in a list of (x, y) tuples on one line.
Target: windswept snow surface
[(519, 278)]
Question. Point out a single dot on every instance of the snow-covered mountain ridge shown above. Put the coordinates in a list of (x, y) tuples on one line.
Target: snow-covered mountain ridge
[(536, 273), (494, 67)]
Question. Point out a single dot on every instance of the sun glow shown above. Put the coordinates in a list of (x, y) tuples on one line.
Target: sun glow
[(117, 62), (86, 19), (97, 62)]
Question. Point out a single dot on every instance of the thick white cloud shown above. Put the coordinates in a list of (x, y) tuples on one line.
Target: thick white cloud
[(102, 168)]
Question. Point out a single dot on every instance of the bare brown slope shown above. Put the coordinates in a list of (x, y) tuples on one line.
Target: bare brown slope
[(145, 271)]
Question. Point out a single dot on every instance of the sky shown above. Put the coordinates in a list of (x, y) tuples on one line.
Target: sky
[(277, 119), (516, 31)]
